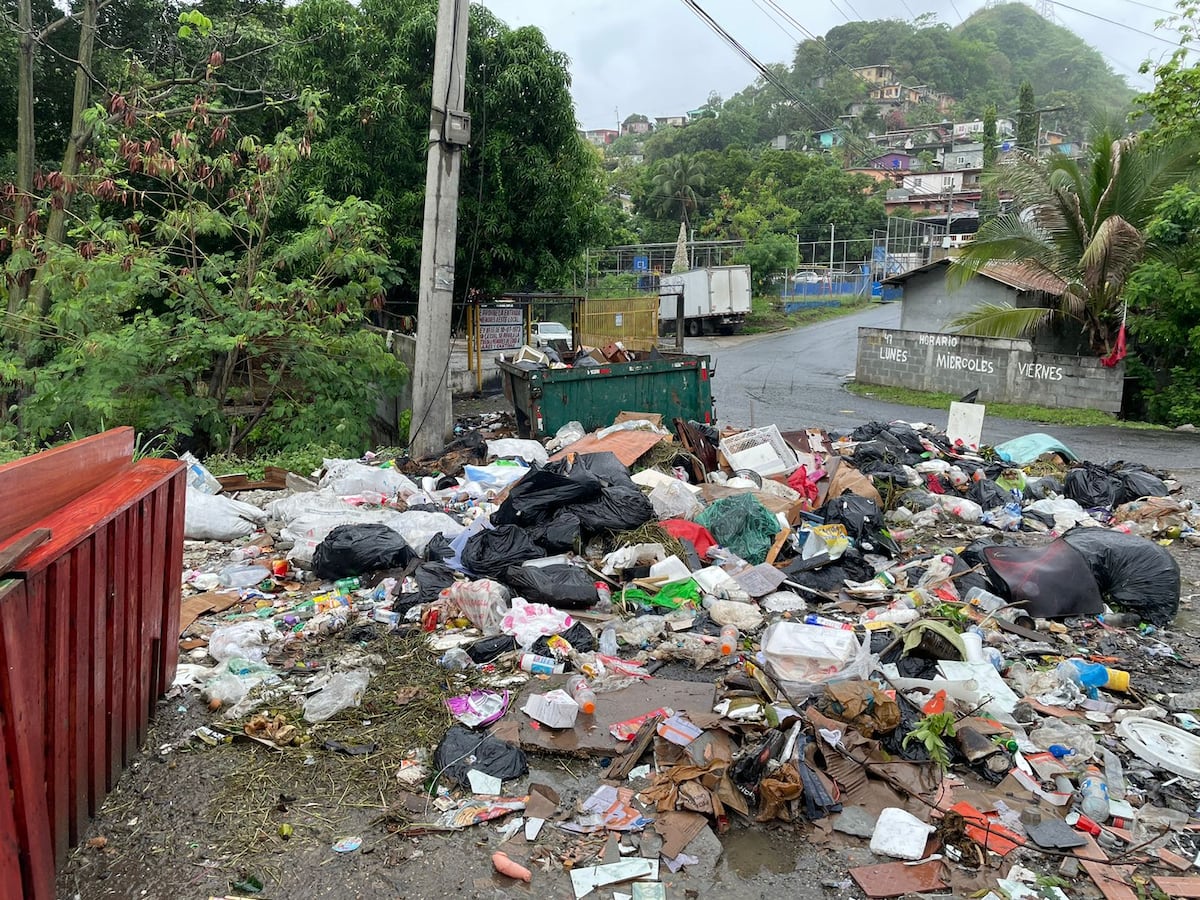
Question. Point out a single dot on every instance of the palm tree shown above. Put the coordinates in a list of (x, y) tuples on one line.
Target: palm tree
[(1077, 223), (677, 183)]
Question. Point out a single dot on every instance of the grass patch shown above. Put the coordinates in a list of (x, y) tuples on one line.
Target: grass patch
[(1026, 411), (302, 460), (767, 315)]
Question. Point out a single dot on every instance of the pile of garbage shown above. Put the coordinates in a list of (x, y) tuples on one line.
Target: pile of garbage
[(883, 636)]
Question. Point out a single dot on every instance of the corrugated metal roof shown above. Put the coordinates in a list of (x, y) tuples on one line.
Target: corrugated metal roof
[(1018, 276)]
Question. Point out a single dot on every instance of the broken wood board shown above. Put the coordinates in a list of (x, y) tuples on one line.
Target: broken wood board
[(1110, 879), (897, 879), (274, 479), (591, 736), (627, 446), (197, 605), (1174, 886)]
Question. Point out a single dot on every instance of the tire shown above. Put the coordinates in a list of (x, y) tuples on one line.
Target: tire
[(692, 327)]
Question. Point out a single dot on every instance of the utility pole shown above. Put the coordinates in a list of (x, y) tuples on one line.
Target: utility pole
[(449, 132)]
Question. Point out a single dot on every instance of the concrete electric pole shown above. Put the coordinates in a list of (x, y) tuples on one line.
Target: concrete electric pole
[(449, 132)]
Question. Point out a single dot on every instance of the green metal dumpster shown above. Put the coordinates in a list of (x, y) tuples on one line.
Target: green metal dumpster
[(544, 400)]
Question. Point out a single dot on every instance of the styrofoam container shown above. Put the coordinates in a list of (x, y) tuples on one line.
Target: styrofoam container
[(900, 834)]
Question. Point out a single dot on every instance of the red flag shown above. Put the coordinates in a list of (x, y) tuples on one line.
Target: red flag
[(1118, 352)]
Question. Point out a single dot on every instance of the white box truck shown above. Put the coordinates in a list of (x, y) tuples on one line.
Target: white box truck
[(714, 299)]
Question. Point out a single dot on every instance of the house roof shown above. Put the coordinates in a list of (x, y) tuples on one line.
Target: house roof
[(1019, 276)]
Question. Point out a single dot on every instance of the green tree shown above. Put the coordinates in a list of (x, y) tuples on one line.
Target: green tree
[(1027, 119), (768, 257), (677, 185), (989, 201), (1080, 223)]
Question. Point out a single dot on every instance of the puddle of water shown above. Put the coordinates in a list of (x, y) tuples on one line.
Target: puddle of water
[(748, 851)]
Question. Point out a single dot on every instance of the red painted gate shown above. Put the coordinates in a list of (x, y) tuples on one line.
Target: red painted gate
[(89, 622)]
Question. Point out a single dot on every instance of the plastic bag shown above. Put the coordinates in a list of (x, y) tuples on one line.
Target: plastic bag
[(743, 616), (579, 636), (418, 527), (309, 528), (432, 578), (346, 477), (198, 477), (961, 508), (616, 509), (540, 495), (697, 535), (463, 749), (215, 517), (675, 500), (529, 621), (560, 534), (484, 602), (1072, 736), (565, 436), (988, 494), (345, 689), (245, 639), (530, 451), (743, 525), (1065, 514), (562, 586), (640, 631), (863, 522), (1091, 486), (603, 466), (1049, 582), (495, 477), (355, 549), (1137, 483), (491, 551), (1131, 571), (807, 657)]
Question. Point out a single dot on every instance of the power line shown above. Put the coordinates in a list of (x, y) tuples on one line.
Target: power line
[(1169, 12), (953, 7), (1148, 34)]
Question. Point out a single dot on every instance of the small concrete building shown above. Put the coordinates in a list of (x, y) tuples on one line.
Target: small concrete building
[(929, 304)]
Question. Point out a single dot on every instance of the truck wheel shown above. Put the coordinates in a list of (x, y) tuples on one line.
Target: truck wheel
[(693, 327)]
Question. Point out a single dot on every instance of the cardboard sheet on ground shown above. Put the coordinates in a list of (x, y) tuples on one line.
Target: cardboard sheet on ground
[(678, 828), (590, 736), (897, 879), (627, 446), (197, 605)]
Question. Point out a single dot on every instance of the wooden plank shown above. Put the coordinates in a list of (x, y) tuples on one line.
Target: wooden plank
[(15, 549), (97, 738), (20, 659), (97, 507), (12, 882), (79, 704), (149, 615), (58, 693), (1110, 879), (1175, 886), (172, 586), (47, 481), (132, 613), (114, 701)]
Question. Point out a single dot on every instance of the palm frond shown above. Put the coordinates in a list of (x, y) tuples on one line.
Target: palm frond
[(1000, 320), (1110, 257)]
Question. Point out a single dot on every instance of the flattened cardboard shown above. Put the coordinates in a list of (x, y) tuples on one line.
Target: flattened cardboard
[(627, 446), (195, 606), (897, 879), (590, 736), (678, 828)]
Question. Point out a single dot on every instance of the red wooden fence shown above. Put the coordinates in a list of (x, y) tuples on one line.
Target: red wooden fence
[(89, 627)]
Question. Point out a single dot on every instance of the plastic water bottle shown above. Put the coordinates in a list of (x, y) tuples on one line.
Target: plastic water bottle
[(1114, 774), (240, 575), (1090, 675), (608, 641), (604, 592), (1093, 795), (729, 639), (579, 690)]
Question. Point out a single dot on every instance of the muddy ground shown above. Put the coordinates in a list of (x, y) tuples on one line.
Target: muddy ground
[(191, 821)]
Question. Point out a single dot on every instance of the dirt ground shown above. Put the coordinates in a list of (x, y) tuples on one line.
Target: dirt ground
[(187, 820)]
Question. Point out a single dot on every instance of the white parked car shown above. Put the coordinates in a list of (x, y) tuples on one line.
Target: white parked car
[(550, 332)]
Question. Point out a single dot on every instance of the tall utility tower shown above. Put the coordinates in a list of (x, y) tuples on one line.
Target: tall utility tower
[(1044, 8)]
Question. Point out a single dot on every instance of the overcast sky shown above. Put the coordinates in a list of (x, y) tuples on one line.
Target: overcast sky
[(656, 57)]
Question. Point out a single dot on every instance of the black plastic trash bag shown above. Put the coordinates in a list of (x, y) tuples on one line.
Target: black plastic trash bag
[(1091, 486), (438, 548), (357, 549), (540, 494), (1132, 572), (463, 749), (1138, 483), (1049, 582), (488, 648), (432, 578), (832, 577), (489, 552), (988, 494), (560, 586), (863, 522), (579, 636), (603, 466), (616, 509), (560, 534)]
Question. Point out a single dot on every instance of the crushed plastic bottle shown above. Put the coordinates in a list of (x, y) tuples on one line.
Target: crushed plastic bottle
[(608, 641), (241, 575), (1114, 774), (1093, 795)]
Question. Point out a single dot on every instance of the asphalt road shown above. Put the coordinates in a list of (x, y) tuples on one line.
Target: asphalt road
[(796, 380)]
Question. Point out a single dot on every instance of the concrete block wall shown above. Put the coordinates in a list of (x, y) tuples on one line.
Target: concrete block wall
[(1004, 371)]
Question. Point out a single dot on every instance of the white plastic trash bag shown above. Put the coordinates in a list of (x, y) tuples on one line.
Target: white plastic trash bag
[(347, 477), (247, 640), (495, 477), (215, 517), (529, 621), (530, 451), (565, 436), (674, 501), (343, 690), (418, 527), (807, 657)]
